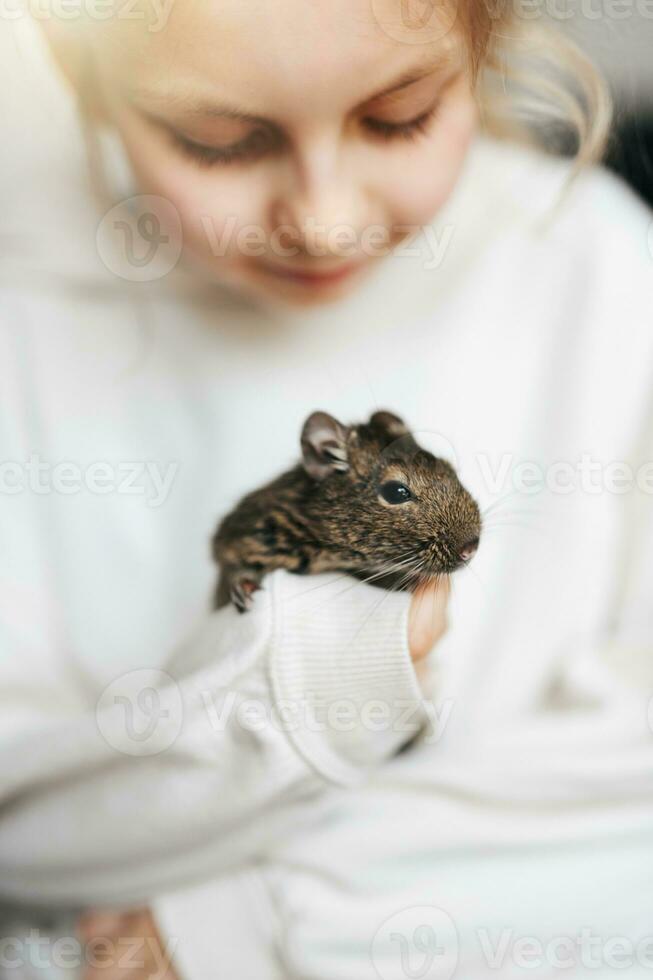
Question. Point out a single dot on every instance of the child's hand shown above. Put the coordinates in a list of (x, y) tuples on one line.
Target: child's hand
[(427, 619), (124, 946)]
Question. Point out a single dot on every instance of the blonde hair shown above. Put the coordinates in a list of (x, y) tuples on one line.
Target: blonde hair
[(532, 83)]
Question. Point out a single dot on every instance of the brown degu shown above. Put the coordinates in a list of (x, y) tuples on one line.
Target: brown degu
[(365, 500)]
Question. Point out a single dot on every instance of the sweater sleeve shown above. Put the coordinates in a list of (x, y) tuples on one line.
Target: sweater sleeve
[(195, 769)]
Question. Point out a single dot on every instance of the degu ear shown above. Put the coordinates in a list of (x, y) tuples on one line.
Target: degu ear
[(391, 424), (394, 431), (324, 445)]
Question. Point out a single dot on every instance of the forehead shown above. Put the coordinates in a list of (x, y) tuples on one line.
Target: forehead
[(270, 55)]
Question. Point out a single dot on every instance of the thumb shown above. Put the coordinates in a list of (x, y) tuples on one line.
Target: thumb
[(427, 619)]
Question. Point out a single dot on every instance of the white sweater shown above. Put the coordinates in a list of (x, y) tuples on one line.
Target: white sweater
[(143, 754)]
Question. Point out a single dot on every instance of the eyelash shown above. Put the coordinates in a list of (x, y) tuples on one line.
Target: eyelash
[(258, 143), (207, 156), (407, 130)]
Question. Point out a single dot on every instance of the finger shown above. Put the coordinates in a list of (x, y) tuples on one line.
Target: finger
[(92, 924), (127, 958), (427, 617)]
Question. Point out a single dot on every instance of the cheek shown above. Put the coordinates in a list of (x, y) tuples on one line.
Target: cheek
[(219, 209), (220, 214), (418, 185)]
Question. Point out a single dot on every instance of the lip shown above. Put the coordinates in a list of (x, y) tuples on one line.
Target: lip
[(311, 277)]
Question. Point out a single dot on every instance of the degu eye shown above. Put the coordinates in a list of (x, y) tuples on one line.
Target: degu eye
[(394, 492)]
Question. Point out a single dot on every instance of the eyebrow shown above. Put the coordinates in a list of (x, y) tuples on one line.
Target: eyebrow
[(434, 66), (154, 100), (216, 110)]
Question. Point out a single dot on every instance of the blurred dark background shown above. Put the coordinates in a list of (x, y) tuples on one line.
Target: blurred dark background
[(619, 37), (631, 154)]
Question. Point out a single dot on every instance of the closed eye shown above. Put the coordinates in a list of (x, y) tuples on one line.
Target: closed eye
[(409, 129), (261, 142), (255, 145)]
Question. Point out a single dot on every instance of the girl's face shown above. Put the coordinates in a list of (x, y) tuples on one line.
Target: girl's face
[(299, 140)]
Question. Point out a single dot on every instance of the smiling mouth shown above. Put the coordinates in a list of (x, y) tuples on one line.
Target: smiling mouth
[(312, 277)]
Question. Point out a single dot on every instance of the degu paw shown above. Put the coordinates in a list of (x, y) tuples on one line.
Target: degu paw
[(242, 592)]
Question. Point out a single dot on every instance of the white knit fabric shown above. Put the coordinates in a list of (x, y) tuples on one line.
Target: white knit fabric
[(528, 803)]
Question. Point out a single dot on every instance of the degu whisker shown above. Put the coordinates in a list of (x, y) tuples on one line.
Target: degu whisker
[(403, 581), (501, 525), (498, 503), (385, 570)]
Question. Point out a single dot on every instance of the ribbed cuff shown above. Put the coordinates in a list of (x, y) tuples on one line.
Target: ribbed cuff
[(343, 682)]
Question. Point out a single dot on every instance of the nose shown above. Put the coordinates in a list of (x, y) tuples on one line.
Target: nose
[(322, 225), (321, 208), (468, 550)]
